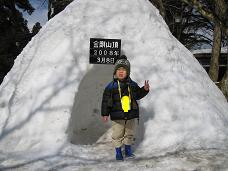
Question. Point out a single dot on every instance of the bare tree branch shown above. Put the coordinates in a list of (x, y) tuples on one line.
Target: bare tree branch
[(209, 14)]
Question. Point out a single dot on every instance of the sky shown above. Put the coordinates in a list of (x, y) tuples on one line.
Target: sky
[(40, 13)]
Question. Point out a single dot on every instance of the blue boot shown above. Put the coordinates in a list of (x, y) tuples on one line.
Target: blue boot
[(119, 155), (128, 152)]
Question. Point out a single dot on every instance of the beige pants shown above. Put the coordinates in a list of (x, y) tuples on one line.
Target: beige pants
[(123, 132)]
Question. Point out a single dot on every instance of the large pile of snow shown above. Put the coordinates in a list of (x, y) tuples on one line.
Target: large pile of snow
[(42, 110)]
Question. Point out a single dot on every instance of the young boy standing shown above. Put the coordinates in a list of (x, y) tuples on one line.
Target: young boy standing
[(119, 102)]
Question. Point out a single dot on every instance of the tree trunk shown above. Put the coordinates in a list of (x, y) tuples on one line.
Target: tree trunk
[(224, 82), (180, 24), (214, 64), (50, 9), (56, 6), (162, 9)]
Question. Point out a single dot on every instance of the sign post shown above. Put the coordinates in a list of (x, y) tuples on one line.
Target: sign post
[(104, 51)]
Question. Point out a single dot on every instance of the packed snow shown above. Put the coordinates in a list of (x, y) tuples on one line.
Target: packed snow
[(50, 100)]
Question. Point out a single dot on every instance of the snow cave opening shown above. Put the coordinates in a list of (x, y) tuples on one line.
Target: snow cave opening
[(86, 125)]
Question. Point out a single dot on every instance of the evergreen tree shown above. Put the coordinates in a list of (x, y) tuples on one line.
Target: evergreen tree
[(36, 28), (14, 33)]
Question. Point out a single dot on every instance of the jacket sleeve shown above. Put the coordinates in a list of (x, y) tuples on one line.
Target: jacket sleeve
[(140, 92), (105, 109)]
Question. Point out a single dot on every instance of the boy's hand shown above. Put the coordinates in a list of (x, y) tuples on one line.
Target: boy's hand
[(105, 119), (146, 85)]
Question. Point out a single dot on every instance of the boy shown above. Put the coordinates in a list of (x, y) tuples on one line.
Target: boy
[(119, 101)]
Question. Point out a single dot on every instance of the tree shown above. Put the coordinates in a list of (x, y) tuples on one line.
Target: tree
[(160, 5), (214, 64), (217, 12), (14, 33), (224, 82), (185, 23), (56, 6), (219, 17), (36, 28)]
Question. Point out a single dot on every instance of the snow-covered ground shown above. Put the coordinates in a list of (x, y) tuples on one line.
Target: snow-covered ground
[(50, 100)]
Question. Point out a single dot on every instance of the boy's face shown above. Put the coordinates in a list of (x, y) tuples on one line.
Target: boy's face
[(121, 73)]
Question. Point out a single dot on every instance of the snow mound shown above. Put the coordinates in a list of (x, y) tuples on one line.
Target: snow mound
[(184, 109)]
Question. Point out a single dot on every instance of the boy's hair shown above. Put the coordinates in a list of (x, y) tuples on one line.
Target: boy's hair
[(122, 62)]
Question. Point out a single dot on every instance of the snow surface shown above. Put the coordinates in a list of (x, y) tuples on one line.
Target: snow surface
[(184, 118)]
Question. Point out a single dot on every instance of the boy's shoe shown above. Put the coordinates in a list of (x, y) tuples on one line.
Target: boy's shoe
[(128, 152), (119, 155)]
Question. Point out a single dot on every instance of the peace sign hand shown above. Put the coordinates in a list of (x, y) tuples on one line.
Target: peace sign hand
[(146, 85)]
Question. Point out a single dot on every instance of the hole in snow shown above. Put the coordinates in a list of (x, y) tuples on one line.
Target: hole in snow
[(86, 126)]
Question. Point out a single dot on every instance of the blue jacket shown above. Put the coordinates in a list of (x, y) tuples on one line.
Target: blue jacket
[(111, 103)]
